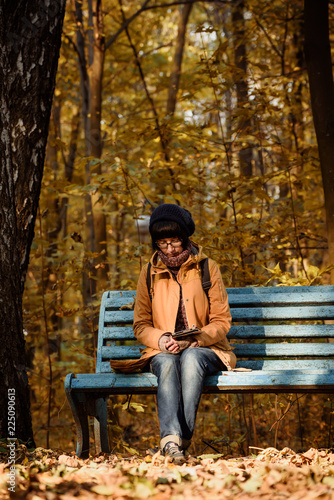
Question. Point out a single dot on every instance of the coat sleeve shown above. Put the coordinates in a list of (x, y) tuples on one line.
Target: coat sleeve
[(143, 322), (219, 321)]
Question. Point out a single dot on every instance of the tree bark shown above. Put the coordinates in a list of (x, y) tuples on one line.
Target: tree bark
[(240, 56), (319, 68), (178, 56), (30, 37), (88, 275), (96, 77), (245, 153), (91, 77)]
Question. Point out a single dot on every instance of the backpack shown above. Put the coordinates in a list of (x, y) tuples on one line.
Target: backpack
[(205, 274)]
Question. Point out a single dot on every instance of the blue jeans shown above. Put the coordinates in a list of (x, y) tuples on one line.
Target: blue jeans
[(180, 384)]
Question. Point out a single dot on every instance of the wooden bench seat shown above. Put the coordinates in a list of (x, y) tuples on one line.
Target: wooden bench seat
[(280, 340)]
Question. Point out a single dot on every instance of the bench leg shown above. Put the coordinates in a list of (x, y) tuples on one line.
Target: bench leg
[(78, 407), (101, 425)]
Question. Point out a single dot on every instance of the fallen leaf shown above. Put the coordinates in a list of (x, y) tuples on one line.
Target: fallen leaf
[(102, 489), (70, 461), (210, 456), (252, 484)]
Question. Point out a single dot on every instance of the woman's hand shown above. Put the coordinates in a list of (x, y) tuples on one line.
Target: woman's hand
[(172, 346), (188, 341), (168, 344)]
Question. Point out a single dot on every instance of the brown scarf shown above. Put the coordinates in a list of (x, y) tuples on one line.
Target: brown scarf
[(176, 261)]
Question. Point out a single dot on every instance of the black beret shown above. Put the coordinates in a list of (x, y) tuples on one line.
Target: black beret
[(169, 211)]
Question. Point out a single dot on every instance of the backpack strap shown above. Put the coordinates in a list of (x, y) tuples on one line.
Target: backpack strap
[(206, 283), (148, 280)]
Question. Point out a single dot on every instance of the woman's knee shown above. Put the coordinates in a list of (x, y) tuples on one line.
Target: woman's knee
[(193, 360), (202, 360), (165, 365), (192, 355)]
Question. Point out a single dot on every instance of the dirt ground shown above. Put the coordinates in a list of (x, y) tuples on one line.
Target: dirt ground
[(268, 474)]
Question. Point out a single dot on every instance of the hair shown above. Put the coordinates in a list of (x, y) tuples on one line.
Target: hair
[(167, 229)]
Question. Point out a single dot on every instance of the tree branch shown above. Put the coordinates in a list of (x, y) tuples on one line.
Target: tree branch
[(290, 404), (142, 76), (145, 7), (126, 23)]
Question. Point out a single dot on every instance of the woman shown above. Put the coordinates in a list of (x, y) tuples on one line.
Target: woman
[(177, 301)]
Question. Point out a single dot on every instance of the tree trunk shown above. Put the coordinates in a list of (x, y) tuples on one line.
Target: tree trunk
[(96, 77), (319, 68), (88, 275), (91, 76), (177, 61), (49, 272), (58, 208), (69, 164), (30, 37), (240, 56), (245, 153)]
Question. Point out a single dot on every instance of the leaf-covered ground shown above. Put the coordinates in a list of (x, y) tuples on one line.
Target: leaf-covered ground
[(271, 474)]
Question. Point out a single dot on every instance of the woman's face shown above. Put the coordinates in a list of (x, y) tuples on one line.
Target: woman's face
[(170, 246)]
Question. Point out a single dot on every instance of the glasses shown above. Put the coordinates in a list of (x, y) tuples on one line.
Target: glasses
[(174, 243)]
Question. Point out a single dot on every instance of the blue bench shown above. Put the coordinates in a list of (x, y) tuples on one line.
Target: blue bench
[(280, 338)]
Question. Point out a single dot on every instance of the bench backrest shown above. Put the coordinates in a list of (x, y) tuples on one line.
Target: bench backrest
[(274, 328)]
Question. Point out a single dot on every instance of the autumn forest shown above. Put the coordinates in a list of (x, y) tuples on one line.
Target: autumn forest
[(216, 106)]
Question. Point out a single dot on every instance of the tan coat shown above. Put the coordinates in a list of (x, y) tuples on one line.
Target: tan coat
[(153, 318)]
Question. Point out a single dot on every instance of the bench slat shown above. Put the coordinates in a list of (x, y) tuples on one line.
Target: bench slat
[(118, 298), (296, 379), (258, 300), (280, 350), (322, 289), (265, 364), (246, 350), (246, 299), (290, 313), (277, 331), (240, 332), (118, 317), (236, 381), (117, 333), (96, 381), (121, 352), (287, 364), (283, 313)]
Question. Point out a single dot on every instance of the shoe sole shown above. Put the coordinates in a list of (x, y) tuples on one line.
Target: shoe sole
[(176, 460)]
